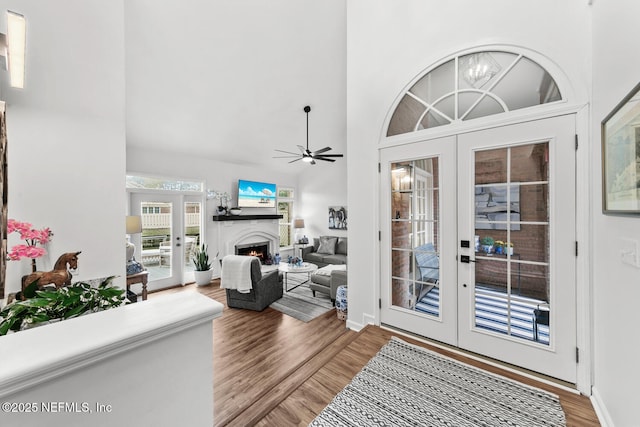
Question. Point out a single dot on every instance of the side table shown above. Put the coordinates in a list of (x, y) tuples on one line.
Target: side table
[(141, 277)]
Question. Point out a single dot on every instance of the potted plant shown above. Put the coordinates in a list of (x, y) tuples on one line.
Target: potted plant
[(203, 272), (51, 305), (508, 248), (487, 244), (499, 247)]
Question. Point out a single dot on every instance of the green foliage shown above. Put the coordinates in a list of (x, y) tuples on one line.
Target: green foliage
[(487, 241), (201, 258), (64, 303)]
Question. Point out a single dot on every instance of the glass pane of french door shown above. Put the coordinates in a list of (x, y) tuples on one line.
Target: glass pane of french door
[(157, 238), (415, 263), (192, 235), (512, 227)]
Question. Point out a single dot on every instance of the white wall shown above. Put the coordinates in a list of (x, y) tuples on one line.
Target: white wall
[(616, 285), (66, 134), (323, 185)]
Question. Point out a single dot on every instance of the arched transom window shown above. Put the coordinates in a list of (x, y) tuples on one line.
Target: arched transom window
[(470, 86)]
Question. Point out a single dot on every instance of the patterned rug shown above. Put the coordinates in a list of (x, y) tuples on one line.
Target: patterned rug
[(406, 385), (301, 304)]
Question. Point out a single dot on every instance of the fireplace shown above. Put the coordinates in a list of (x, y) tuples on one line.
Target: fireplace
[(259, 249)]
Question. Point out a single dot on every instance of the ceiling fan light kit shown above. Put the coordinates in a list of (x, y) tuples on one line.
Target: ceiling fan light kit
[(307, 155)]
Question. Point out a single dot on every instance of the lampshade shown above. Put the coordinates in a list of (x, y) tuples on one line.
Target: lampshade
[(134, 224), (298, 223)]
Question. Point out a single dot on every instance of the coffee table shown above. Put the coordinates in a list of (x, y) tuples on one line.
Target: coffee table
[(286, 269)]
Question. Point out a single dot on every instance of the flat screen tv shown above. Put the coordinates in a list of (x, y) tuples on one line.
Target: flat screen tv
[(253, 194)]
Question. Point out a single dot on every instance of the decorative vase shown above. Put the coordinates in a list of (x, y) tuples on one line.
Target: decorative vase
[(203, 278)]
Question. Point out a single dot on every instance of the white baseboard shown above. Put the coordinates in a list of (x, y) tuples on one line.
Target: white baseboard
[(354, 326), (600, 408)]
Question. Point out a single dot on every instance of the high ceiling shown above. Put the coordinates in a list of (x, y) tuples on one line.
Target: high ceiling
[(229, 80)]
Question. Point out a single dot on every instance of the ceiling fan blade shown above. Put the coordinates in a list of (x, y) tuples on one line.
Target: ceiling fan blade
[(286, 157), (324, 158), (322, 150), (330, 155), (299, 158), (288, 152), (303, 150)]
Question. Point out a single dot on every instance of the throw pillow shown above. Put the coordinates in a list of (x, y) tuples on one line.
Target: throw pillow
[(327, 245)]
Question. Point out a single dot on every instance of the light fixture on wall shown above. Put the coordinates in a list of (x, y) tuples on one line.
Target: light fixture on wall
[(13, 48), (133, 226)]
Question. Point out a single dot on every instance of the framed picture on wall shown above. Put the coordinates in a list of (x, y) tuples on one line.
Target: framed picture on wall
[(337, 217), (621, 157)]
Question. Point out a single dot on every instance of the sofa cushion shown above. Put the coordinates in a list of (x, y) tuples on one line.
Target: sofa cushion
[(314, 257), (327, 245), (335, 259), (342, 246)]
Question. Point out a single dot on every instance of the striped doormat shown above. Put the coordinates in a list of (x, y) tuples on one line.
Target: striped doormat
[(407, 385)]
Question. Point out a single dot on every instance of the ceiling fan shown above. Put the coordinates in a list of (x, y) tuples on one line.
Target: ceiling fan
[(307, 155)]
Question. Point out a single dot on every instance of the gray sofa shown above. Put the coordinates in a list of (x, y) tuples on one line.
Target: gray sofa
[(326, 250), (328, 284)]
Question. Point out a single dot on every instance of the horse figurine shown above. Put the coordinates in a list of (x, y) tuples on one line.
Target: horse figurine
[(59, 276)]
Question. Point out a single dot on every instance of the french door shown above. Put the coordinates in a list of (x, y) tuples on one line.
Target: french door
[(479, 248), (171, 230)]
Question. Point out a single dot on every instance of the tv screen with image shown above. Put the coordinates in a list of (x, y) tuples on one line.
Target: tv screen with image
[(254, 194)]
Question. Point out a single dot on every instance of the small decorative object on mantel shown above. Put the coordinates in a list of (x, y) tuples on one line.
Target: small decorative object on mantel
[(60, 276), (223, 199), (235, 211), (33, 237)]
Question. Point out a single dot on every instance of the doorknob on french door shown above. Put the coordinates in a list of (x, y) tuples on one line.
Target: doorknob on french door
[(465, 259)]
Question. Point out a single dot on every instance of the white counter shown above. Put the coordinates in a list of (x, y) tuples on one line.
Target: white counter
[(148, 362)]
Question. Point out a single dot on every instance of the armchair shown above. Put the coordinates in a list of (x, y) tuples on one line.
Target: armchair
[(264, 289)]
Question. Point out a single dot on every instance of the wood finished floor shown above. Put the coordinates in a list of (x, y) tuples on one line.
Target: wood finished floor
[(270, 369)]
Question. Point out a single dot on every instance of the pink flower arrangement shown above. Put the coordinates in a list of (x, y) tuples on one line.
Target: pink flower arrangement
[(31, 236)]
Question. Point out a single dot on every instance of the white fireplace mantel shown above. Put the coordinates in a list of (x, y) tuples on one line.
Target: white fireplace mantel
[(240, 230)]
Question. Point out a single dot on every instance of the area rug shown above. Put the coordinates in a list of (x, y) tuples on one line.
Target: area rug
[(301, 304), (406, 385)]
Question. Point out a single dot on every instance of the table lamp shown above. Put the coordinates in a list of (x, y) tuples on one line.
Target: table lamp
[(298, 224)]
